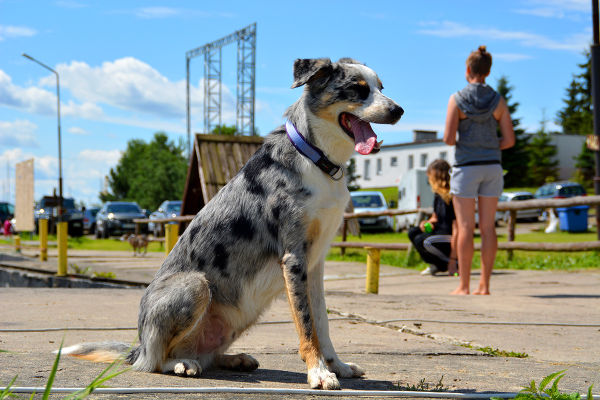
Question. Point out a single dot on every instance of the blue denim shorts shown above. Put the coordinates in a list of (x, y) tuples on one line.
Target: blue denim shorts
[(477, 180)]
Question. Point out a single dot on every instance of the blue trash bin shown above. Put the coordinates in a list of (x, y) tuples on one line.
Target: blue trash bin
[(573, 219)]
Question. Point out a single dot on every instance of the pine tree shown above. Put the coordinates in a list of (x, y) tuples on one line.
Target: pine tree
[(542, 165), (576, 118), (514, 158)]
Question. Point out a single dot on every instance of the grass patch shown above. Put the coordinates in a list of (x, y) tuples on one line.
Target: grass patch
[(423, 386), (496, 352), (546, 392), (87, 243), (522, 260)]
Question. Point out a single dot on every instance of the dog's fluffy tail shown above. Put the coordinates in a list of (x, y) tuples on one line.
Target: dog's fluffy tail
[(105, 352)]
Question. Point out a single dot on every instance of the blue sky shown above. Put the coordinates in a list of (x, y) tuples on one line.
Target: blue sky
[(122, 67)]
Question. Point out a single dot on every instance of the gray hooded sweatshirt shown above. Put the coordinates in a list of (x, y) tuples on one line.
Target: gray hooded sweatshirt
[(477, 141)]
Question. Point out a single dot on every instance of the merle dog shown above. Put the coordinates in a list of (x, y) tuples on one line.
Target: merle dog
[(267, 231)]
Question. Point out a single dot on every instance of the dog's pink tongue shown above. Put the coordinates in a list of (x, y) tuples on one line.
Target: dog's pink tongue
[(364, 137)]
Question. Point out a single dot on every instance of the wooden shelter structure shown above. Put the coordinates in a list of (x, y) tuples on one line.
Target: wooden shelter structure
[(214, 161)]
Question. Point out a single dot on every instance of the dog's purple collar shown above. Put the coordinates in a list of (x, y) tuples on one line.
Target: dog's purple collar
[(313, 153)]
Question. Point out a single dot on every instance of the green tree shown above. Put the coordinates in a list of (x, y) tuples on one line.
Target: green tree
[(586, 166), (148, 173), (576, 117), (351, 176), (514, 158), (229, 130), (542, 165)]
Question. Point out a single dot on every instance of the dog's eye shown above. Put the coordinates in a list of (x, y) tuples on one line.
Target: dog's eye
[(362, 91)]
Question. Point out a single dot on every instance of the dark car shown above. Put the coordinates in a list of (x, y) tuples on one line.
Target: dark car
[(560, 190), (89, 219), (47, 208), (7, 211), (167, 209), (116, 218)]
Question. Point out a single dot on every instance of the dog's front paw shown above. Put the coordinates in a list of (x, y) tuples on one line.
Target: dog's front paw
[(346, 370), (320, 378), (187, 368)]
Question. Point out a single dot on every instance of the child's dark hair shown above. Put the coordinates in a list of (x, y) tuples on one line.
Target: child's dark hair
[(480, 62), (438, 173)]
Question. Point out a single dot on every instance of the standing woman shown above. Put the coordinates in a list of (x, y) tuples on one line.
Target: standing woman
[(475, 112)]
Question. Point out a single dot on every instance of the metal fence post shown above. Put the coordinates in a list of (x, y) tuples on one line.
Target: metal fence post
[(43, 228), (61, 237)]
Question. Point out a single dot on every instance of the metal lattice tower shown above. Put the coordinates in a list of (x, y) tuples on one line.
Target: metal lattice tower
[(246, 66)]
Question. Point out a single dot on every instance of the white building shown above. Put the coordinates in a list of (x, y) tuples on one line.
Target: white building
[(386, 167)]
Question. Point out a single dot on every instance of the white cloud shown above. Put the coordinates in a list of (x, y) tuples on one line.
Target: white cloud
[(128, 84), (10, 31), (18, 133), (555, 8), (511, 57), (75, 130), (450, 29), (32, 99), (108, 158), (156, 12)]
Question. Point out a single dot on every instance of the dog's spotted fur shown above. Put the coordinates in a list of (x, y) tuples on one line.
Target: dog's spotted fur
[(268, 230)]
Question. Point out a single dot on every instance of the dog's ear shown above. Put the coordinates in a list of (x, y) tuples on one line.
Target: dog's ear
[(311, 69)]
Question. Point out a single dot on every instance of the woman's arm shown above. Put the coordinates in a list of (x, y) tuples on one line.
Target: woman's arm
[(451, 122), (502, 115)]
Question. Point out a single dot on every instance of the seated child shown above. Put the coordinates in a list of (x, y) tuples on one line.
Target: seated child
[(435, 239)]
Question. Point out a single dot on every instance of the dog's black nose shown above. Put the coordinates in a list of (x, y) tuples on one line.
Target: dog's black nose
[(396, 111)]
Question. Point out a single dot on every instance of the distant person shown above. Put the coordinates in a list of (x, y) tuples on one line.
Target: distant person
[(475, 112), (7, 226), (435, 239)]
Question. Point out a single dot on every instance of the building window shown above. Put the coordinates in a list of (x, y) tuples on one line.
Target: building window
[(394, 161), (379, 167), (423, 160), (367, 173), (411, 161), (444, 155)]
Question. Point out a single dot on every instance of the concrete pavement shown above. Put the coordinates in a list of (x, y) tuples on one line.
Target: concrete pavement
[(411, 331)]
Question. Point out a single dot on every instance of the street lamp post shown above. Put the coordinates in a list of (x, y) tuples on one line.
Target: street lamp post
[(61, 226), (60, 181)]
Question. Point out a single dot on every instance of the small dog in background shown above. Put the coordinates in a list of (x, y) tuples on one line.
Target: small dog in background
[(137, 242)]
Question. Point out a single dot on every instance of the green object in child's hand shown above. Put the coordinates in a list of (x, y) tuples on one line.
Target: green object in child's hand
[(428, 227)]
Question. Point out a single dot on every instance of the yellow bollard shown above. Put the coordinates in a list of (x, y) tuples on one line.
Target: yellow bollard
[(17, 240), (62, 234), (171, 233), (373, 257), (43, 230)]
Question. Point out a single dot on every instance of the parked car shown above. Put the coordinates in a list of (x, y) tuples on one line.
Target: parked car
[(167, 209), (116, 218), (560, 190), (89, 220), (47, 208), (531, 215), (7, 210), (372, 201)]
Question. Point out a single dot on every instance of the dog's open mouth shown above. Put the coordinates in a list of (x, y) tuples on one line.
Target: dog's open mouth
[(365, 140)]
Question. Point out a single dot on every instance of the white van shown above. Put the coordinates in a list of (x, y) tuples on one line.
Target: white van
[(413, 192)]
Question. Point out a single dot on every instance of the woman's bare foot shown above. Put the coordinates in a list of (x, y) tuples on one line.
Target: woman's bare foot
[(482, 292), (460, 291)]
